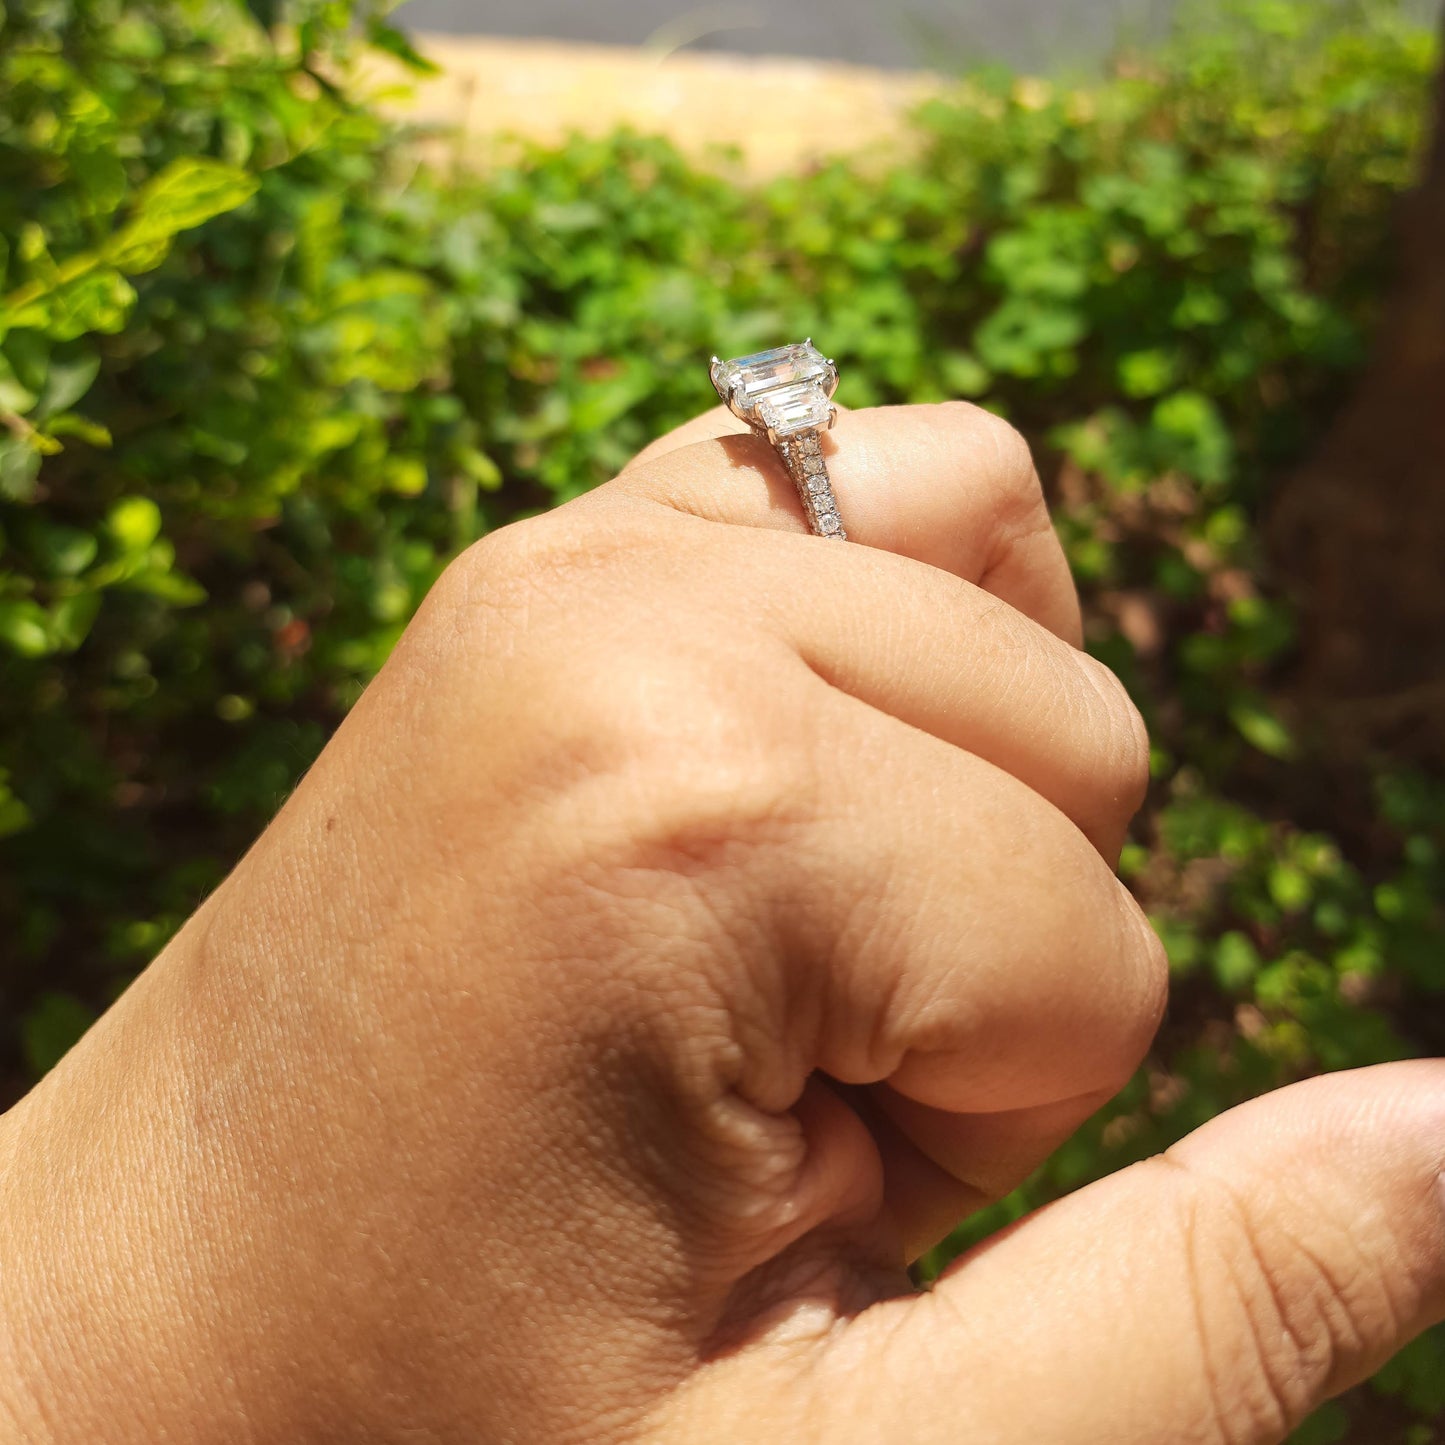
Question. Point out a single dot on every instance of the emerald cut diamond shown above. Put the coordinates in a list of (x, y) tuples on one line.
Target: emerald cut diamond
[(798, 408), (786, 395), (783, 392)]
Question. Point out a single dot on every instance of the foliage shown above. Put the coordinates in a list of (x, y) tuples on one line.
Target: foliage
[(260, 375)]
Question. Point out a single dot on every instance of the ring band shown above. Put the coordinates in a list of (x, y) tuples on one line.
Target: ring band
[(786, 395)]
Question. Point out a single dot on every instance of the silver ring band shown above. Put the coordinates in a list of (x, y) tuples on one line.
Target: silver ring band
[(786, 395), (802, 454)]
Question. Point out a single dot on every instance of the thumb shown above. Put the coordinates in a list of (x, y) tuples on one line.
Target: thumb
[(1216, 1293)]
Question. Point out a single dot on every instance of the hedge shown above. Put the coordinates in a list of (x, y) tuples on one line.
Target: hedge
[(261, 374)]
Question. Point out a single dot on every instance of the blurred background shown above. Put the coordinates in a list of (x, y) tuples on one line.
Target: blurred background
[(867, 32), (1048, 34), (298, 298)]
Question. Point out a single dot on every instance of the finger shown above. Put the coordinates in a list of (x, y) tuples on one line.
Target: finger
[(895, 635), (950, 485), (939, 1167), (718, 422), (978, 958), (939, 655), (1220, 1292)]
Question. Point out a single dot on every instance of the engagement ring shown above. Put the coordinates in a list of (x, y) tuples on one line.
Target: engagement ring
[(785, 395)]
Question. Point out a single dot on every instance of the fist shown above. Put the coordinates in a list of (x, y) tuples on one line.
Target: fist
[(693, 922)]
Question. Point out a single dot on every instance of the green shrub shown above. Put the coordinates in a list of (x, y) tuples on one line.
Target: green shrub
[(260, 376)]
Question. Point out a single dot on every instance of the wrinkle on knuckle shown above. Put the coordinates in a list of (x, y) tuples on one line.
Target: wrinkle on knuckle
[(1130, 967), (707, 781), (1289, 1322), (550, 557), (879, 1013), (704, 816), (1241, 1380), (505, 556)]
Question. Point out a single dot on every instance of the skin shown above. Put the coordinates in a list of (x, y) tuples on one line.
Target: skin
[(693, 920)]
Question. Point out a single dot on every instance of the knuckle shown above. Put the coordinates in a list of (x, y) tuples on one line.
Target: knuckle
[(676, 752), (1120, 770), (1148, 978), (498, 574), (715, 784), (1009, 457), (532, 557), (548, 587), (502, 552), (1251, 1387), (690, 776), (1284, 1320), (1125, 959), (1015, 460)]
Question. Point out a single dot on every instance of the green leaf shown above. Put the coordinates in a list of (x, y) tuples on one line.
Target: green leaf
[(51, 1029), (19, 466), (479, 468), (963, 374), (139, 248), (1260, 728), (65, 384), (24, 627), (98, 300), (14, 815), (173, 587), (405, 475), (1290, 887), (1147, 373), (14, 396), (134, 522), (1236, 962), (187, 193), (191, 190), (72, 424), (390, 40), (60, 551), (28, 352), (71, 620), (1022, 335), (1191, 436)]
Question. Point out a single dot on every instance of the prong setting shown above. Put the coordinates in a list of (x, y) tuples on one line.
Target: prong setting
[(785, 395), (785, 390)]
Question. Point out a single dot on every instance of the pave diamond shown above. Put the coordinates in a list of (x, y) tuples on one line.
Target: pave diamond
[(786, 390)]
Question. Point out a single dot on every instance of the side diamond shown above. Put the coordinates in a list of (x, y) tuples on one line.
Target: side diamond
[(792, 409)]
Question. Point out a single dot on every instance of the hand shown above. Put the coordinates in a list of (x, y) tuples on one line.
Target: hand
[(692, 921)]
